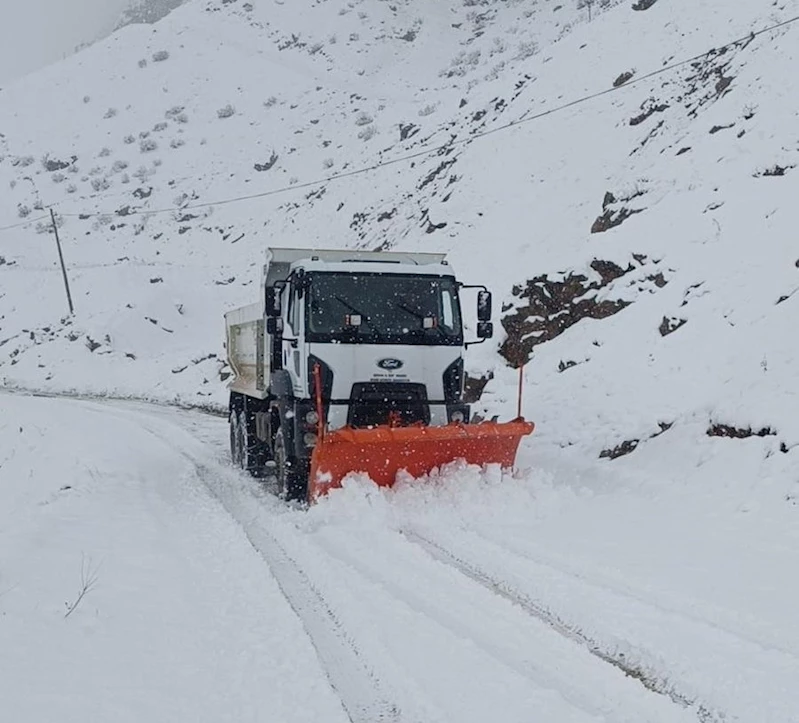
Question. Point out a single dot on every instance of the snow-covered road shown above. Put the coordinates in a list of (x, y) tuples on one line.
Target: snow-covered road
[(461, 601)]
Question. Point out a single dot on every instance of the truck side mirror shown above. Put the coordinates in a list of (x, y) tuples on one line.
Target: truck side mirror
[(273, 306), (485, 330), (274, 325), (484, 307)]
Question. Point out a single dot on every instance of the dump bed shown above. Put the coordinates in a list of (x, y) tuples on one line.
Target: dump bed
[(246, 350)]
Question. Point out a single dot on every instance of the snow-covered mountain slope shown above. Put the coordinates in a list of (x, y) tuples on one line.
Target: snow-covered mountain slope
[(673, 318)]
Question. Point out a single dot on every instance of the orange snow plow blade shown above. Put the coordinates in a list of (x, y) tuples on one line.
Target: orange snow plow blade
[(381, 452)]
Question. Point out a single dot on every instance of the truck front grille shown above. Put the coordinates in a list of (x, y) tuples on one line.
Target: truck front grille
[(372, 404)]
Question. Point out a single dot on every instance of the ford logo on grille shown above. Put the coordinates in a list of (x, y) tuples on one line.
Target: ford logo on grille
[(390, 364)]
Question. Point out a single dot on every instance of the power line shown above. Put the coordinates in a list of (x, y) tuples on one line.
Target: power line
[(443, 147), (26, 222)]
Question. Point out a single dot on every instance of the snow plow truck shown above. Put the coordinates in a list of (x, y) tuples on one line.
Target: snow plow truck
[(352, 361)]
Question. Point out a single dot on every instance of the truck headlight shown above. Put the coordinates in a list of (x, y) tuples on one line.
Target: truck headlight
[(309, 439), (457, 416), (311, 418)]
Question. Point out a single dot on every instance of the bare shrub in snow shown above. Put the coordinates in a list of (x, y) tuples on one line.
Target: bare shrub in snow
[(148, 145), (270, 101), (142, 63), (119, 166), (157, 162), (354, 37), (110, 113), (101, 183), (177, 143), (104, 152), (23, 211), (71, 188), (58, 177), (367, 133), (427, 110), (363, 119), (495, 72), (159, 127), (226, 112), (144, 134), (462, 63), (497, 48), (160, 56), (88, 581), (96, 171), (332, 40), (24, 161), (129, 139), (327, 163), (142, 173), (527, 48), (125, 178), (87, 99), (316, 48)]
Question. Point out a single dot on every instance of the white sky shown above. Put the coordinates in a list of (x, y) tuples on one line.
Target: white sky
[(34, 33)]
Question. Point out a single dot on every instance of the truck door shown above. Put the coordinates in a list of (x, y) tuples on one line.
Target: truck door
[(292, 337)]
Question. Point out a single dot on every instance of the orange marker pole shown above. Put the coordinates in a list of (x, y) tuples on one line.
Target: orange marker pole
[(320, 410)]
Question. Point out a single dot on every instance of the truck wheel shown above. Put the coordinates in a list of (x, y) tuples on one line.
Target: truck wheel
[(246, 457), (292, 483), (235, 440)]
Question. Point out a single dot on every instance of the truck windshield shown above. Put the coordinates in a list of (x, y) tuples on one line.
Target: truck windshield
[(383, 309)]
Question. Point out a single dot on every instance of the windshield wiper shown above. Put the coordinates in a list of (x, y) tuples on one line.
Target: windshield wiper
[(421, 318), (357, 311)]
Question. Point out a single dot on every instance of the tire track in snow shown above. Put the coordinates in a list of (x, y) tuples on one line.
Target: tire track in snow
[(451, 609), (363, 695), (504, 589), (595, 580)]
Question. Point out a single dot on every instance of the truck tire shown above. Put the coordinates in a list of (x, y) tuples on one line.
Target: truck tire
[(246, 454), (292, 478), (235, 439)]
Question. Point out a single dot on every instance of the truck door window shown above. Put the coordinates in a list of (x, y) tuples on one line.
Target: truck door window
[(447, 309), (294, 311)]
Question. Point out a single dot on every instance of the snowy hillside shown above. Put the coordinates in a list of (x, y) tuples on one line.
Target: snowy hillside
[(222, 100), (621, 174)]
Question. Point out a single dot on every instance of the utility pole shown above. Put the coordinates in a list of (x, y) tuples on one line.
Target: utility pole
[(61, 259)]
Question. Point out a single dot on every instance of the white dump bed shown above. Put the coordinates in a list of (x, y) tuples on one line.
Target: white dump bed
[(246, 349)]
